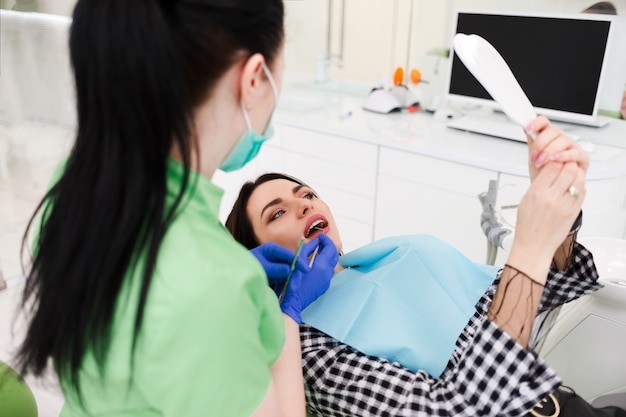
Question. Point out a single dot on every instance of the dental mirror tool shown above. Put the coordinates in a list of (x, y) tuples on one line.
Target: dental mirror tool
[(317, 248), (291, 269), (490, 69)]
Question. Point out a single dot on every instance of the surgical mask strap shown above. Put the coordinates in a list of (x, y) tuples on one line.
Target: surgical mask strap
[(274, 89), (271, 80)]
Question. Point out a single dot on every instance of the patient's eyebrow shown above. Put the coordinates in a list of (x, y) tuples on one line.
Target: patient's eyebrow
[(280, 200), (270, 204)]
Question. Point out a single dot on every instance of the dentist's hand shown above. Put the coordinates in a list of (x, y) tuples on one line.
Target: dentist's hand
[(276, 261), (307, 285)]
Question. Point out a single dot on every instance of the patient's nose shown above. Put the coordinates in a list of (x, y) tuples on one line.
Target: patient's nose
[(304, 207)]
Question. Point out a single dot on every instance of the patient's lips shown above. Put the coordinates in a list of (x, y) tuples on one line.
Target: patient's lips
[(315, 225)]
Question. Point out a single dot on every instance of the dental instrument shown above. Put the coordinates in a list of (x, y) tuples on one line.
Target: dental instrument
[(291, 269), (317, 248)]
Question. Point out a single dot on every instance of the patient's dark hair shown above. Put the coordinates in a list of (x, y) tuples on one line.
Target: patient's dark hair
[(238, 223), (602, 7)]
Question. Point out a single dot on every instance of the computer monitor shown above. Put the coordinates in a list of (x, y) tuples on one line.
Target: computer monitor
[(560, 60)]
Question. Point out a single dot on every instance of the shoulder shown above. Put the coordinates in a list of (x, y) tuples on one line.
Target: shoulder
[(201, 252)]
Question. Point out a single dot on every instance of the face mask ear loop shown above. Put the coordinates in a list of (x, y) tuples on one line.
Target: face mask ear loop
[(271, 80), (274, 89)]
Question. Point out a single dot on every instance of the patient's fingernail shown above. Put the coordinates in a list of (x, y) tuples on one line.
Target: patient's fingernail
[(533, 156), (541, 160)]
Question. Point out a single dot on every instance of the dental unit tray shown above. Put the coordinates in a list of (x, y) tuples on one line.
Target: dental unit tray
[(490, 69)]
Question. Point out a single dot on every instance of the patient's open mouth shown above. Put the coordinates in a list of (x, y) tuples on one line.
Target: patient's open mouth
[(317, 225)]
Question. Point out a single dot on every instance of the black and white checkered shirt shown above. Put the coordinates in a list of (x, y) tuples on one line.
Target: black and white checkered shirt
[(489, 374)]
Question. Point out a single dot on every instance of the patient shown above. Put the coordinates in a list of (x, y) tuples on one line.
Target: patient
[(491, 371)]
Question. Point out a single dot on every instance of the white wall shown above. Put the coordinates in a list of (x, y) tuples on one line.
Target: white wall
[(60, 7), (379, 35)]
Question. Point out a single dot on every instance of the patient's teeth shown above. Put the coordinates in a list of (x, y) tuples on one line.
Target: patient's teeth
[(316, 225)]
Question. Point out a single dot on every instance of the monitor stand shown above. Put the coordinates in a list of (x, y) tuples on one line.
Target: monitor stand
[(599, 121)]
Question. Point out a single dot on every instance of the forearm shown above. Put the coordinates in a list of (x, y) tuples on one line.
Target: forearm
[(515, 304), (517, 299), (287, 372)]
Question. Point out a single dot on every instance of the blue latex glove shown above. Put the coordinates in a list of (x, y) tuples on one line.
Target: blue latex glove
[(276, 261), (307, 284)]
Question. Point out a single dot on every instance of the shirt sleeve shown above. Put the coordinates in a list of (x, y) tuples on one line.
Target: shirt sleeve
[(580, 279), (211, 342)]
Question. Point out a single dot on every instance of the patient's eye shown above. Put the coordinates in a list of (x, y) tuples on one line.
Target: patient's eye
[(309, 196), (276, 214)]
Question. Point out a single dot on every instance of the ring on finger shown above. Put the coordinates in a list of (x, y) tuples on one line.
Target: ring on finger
[(573, 191)]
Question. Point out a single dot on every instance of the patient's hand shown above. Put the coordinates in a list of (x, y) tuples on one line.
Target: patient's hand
[(551, 144), (545, 216)]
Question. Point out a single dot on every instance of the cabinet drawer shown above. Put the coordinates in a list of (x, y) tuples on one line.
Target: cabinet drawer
[(326, 160), (408, 208), (346, 152), (606, 193), (434, 173), (357, 181), (349, 205)]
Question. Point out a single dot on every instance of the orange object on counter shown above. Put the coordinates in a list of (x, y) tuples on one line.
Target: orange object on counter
[(416, 76), (398, 76), (414, 108)]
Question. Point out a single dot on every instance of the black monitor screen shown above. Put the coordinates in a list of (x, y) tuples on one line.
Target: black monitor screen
[(557, 61)]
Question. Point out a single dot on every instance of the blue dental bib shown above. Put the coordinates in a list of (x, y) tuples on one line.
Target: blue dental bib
[(405, 299)]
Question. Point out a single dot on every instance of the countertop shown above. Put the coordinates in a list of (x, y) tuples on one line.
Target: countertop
[(340, 114)]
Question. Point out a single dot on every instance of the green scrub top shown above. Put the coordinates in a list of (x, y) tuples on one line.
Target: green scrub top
[(211, 331)]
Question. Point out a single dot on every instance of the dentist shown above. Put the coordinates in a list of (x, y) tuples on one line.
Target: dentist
[(139, 297)]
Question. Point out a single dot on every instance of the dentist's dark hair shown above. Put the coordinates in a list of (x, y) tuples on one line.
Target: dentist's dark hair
[(238, 222), (141, 69)]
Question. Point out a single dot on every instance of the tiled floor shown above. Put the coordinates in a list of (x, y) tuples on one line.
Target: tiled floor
[(28, 155)]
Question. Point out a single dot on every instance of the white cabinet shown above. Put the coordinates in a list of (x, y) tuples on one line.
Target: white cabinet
[(418, 194), (381, 186), (604, 207)]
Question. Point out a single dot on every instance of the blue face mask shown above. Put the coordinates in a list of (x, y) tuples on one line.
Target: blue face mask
[(250, 142)]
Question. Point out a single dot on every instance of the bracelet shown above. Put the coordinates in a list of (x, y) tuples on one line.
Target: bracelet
[(525, 274)]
